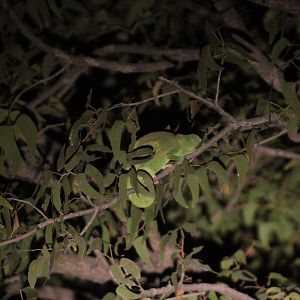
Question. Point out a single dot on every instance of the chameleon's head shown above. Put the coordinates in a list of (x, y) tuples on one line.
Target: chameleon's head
[(185, 144)]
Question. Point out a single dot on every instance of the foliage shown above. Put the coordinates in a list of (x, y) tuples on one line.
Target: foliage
[(190, 191)]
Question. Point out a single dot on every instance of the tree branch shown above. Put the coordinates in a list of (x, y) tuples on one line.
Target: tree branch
[(277, 152), (241, 125), (84, 60), (68, 80), (214, 106), (261, 64), (199, 287), (180, 55)]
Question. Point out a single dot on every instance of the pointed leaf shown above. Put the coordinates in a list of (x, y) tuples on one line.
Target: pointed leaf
[(290, 95), (10, 147), (242, 165), (85, 187), (28, 130), (97, 177), (61, 159), (204, 183), (115, 136), (55, 192), (278, 48), (142, 250), (130, 267), (124, 292), (5, 203)]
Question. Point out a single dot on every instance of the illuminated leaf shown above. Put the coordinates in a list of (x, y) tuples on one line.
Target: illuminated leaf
[(131, 267), (5, 203), (85, 187), (123, 291)]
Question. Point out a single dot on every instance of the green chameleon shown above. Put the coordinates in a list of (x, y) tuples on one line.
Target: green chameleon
[(167, 147)]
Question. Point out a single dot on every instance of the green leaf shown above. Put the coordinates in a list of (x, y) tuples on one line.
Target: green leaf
[(55, 192), (72, 163), (10, 147), (97, 177), (5, 203), (98, 148), (243, 275), (110, 296), (130, 267), (240, 256), (242, 165), (206, 52), (28, 130), (49, 234), (61, 159), (39, 267), (265, 232), (249, 212), (278, 48), (122, 185), (179, 197), (119, 275), (140, 247), (115, 137), (144, 194), (193, 184), (221, 175), (81, 246), (290, 95), (124, 292), (133, 224), (227, 263), (85, 187), (204, 183)]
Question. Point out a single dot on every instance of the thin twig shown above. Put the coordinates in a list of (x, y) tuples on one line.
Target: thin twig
[(89, 223), (229, 118), (277, 152), (143, 101), (45, 80), (273, 137), (69, 78), (218, 87), (30, 204), (50, 127)]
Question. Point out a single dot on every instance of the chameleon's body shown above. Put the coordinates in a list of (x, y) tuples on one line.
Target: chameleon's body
[(167, 147)]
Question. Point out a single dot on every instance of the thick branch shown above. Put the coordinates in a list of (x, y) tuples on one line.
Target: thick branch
[(199, 287), (180, 55), (84, 60)]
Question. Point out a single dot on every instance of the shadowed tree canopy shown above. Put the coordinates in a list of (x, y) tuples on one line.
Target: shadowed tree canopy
[(149, 149)]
